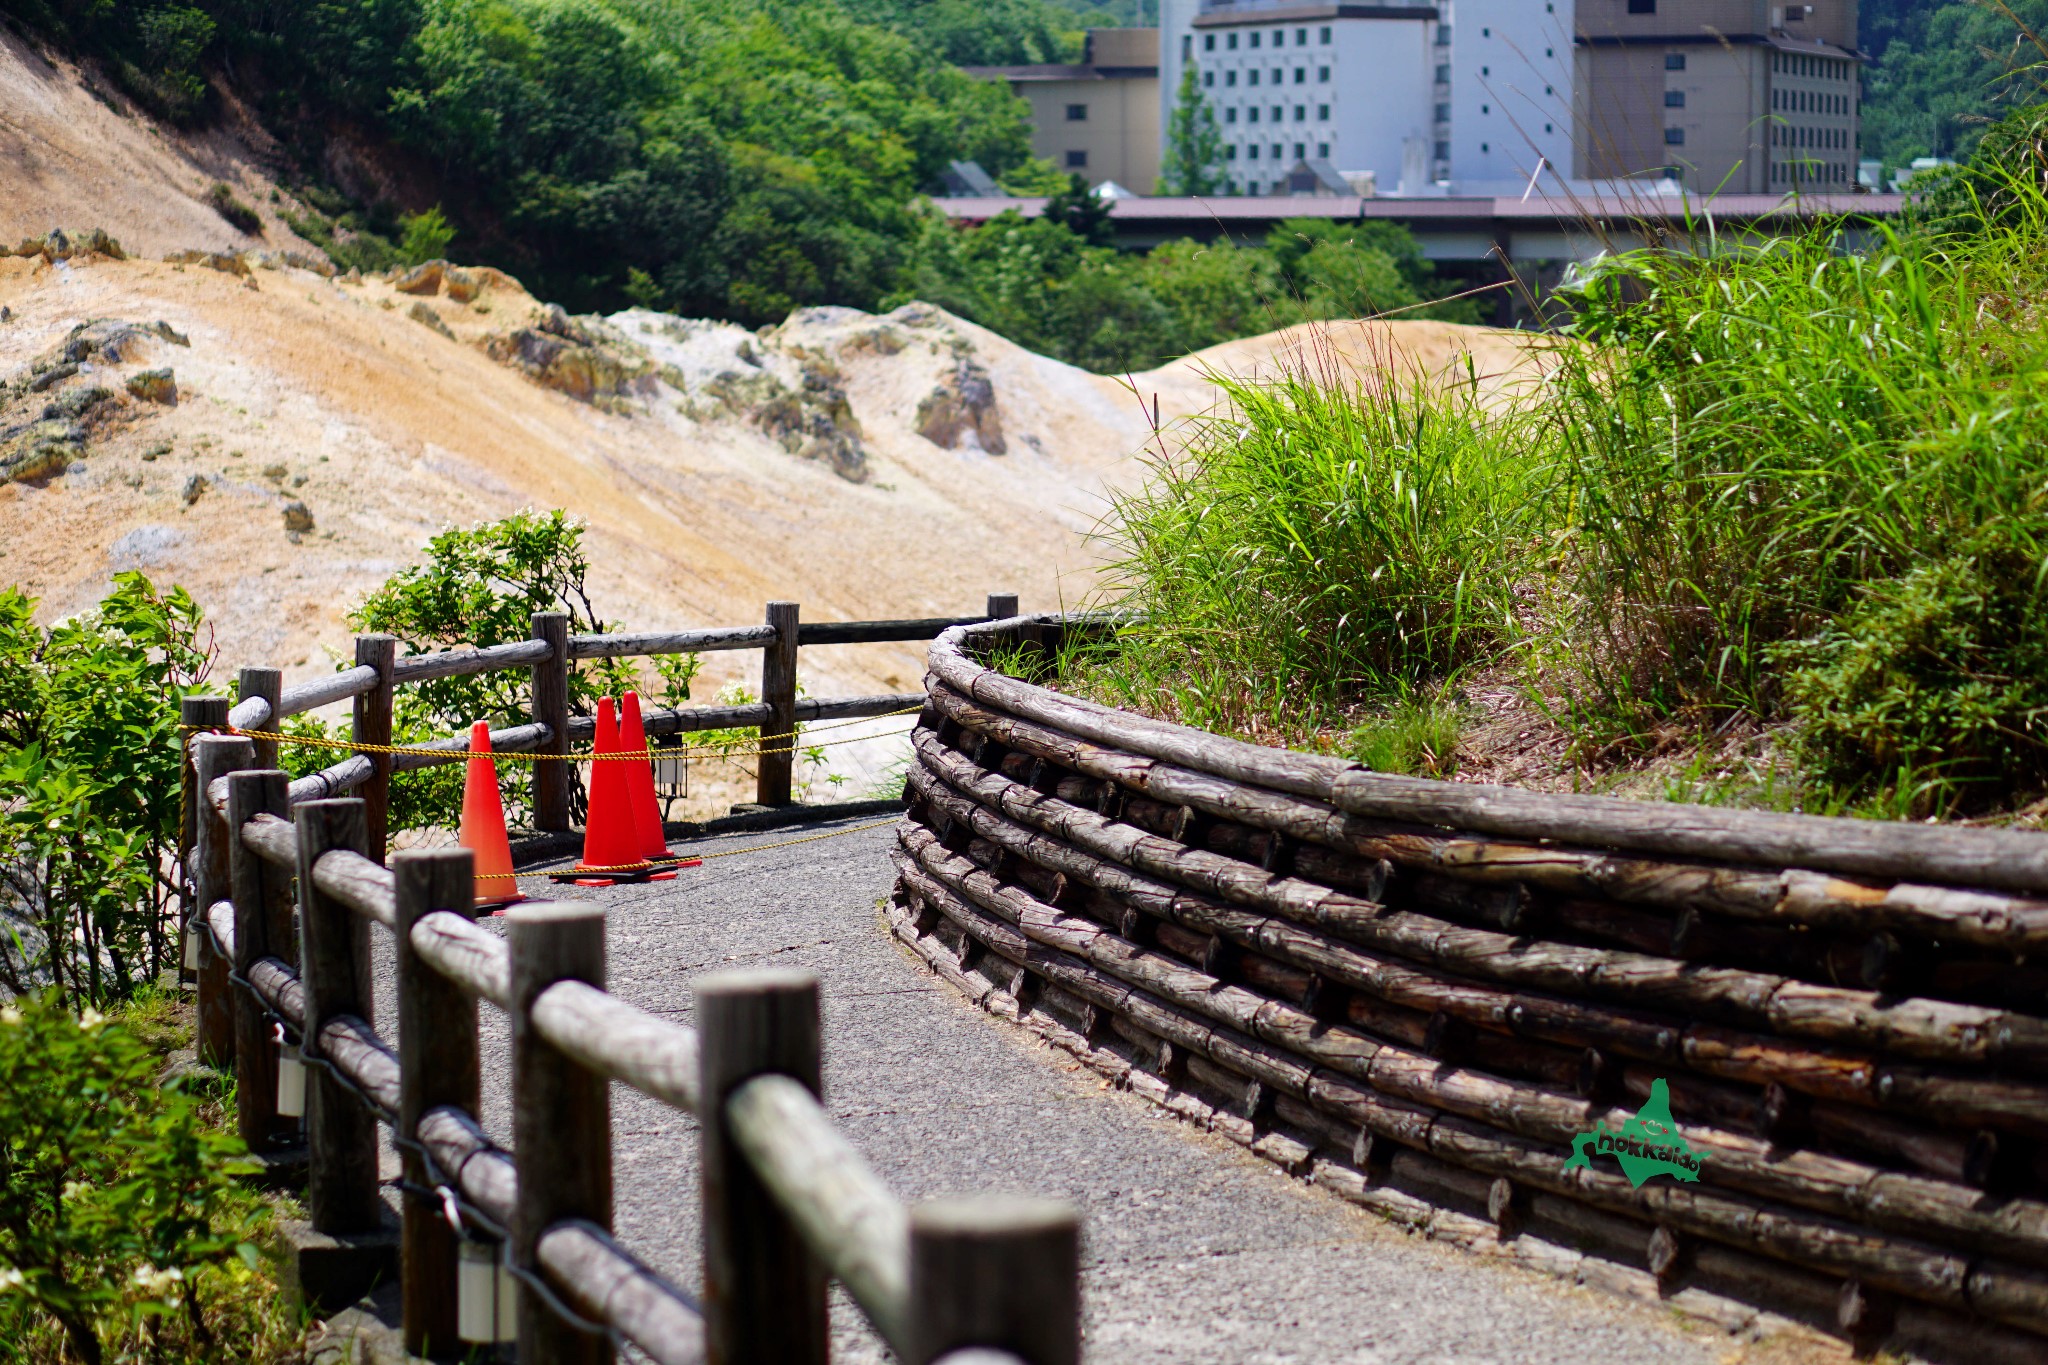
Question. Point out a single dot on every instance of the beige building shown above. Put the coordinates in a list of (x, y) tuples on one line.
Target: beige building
[(1740, 96), (1098, 119)]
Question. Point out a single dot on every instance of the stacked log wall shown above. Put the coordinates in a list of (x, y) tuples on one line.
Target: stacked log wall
[(1422, 1013)]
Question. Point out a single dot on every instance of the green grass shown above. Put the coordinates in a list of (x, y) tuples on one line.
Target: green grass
[(1798, 480)]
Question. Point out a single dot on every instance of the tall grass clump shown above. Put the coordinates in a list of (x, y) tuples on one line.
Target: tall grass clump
[(1317, 540), (1805, 481)]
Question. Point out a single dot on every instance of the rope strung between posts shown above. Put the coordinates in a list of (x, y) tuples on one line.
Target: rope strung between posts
[(797, 743), (701, 857)]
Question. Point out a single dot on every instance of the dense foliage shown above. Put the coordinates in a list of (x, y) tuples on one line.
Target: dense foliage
[(1787, 484), (89, 788), (1042, 284), (1944, 70), (122, 1235)]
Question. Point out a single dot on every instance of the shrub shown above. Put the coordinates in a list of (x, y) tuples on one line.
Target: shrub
[(89, 787), (425, 236), (239, 215), (121, 1232)]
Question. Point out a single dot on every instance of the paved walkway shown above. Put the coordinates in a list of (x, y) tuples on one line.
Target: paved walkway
[(1195, 1250)]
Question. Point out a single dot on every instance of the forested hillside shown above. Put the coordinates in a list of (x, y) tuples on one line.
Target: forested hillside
[(1944, 70)]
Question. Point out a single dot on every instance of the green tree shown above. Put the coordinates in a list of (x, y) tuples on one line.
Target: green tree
[(1194, 145), (1948, 71)]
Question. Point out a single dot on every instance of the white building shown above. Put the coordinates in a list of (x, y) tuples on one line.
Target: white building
[(1508, 95)]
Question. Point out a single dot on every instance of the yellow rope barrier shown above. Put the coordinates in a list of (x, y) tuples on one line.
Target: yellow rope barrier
[(797, 744)]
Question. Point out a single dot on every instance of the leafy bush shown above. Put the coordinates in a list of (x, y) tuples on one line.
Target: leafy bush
[(426, 236), (89, 787), (122, 1235), (239, 215)]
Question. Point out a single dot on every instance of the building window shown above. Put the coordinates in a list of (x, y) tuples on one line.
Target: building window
[(1443, 35), (1230, 115), (1251, 77), (1230, 78), (1486, 71), (1642, 6), (1301, 37), (1254, 37), (1674, 99), (1230, 42), (1251, 115), (1251, 152), (1077, 113), (1277, 154), (1301, 151), (1208, 42), (1208, 79), (1546, 127), (1443, 73), (1483, 147), (1279, 114), (1322, 75), (1323, 37), (1301, 75), (1485, 108), (1322, 113), (1301, 113), (1322, 149), (1279, 37), (1674, 61), (1674, 137), (1443, 151), (1443, 113), (1187, 46), (1230, 152), (1077, 161)]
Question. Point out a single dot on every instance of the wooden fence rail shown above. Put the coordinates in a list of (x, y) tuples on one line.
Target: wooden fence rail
[(788, 1202), (1421, 993)]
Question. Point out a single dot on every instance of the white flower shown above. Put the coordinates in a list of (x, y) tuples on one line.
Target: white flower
[(10, 1278), (9, 1015), (90, 1019), (158, 1284)]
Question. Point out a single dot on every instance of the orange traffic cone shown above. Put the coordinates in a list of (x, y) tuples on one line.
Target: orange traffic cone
[(611, 845), (640, 777), (483, 824)]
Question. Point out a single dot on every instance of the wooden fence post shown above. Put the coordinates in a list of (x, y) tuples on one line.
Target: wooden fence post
[(373, 726), (1000, 1271), (195, 714), (764, 1293), (438, 1064), (334, 965), (213, 756), (1002, 605), (263, 921), (267, 683), (551, 708), (778, 694), (561, 1117)]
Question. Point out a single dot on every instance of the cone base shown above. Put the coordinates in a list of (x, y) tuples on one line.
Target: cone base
[(630, 879), (499, 902)]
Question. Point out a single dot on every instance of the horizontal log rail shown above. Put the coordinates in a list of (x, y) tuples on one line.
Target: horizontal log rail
[(292, 884), (1420, 993)]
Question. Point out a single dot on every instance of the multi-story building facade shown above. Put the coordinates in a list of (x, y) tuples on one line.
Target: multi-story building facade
[(1736, 96), (1099, 118), (1478, 96)]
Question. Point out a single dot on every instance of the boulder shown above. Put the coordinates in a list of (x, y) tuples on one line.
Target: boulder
[(61, 244), (195, 485), (227, 262), (421, 279), (462, 285), (585, 361), (39, 449), (154, 386), (298, 518)]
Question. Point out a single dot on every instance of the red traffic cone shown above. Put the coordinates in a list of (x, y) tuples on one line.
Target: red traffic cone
[(640, 778), (611, 846), (483, 824)]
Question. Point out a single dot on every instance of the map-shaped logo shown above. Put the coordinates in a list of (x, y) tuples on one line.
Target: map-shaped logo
[(1648, 1144)]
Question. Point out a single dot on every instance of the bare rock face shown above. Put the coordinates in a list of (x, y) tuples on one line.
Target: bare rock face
[(50, 409), (815, 421), (582, 357), (227, 262), (462, 285), (962, 408)]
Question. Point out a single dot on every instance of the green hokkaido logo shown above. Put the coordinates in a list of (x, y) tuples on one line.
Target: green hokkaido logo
[(1648, 1144)]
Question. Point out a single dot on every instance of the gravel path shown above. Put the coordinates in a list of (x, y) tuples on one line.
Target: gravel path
[(1195, 1251)]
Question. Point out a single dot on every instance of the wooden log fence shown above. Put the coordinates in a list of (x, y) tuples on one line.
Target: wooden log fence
[(788, 1201), (1419, 994)]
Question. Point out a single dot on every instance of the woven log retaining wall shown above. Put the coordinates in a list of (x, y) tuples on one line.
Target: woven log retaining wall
[(1417, 993)]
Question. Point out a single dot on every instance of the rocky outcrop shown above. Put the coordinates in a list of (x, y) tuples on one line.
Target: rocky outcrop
[(227, 262), (424, 278), (423, 313), (581, 357), (154, 386), (815, 421), (961, 409), (64, 244), (50, 409)]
